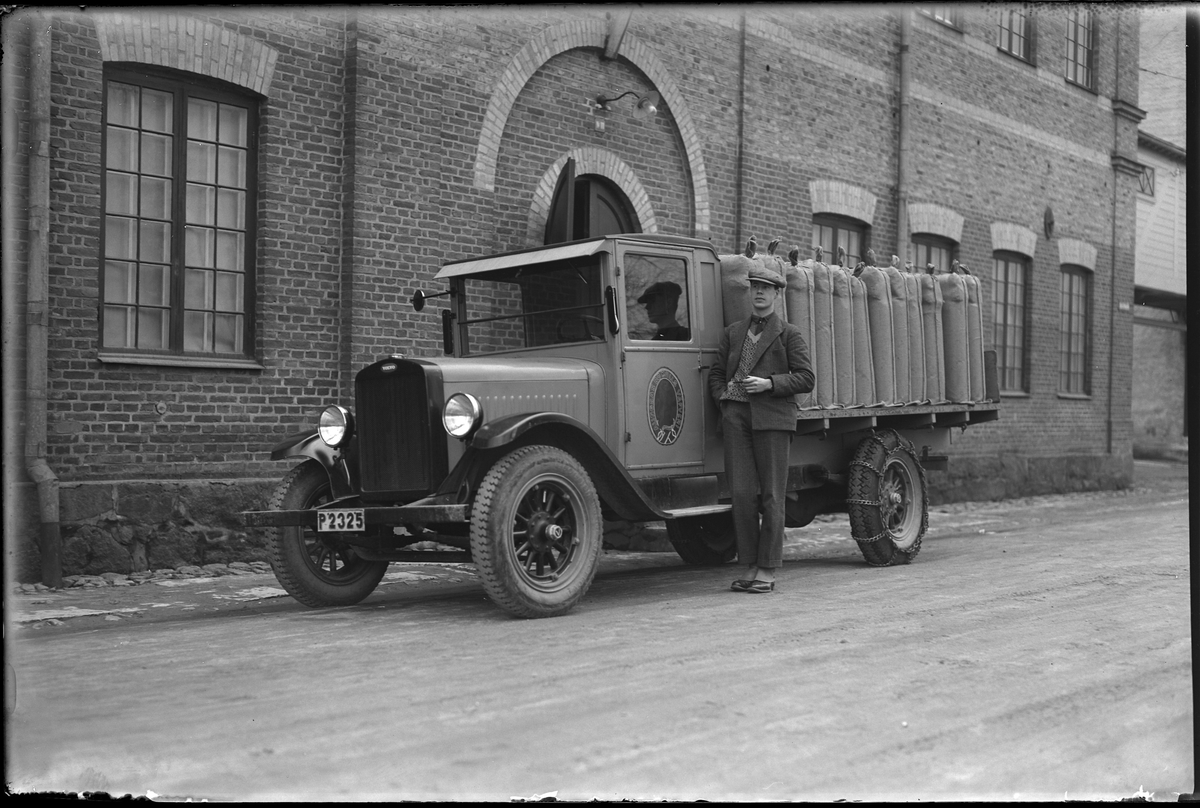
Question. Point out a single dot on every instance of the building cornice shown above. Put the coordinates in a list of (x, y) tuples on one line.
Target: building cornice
[(1163, 147)]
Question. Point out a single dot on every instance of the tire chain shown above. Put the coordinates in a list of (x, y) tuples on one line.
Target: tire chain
[(878, 439)]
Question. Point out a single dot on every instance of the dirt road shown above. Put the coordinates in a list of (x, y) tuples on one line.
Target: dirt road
[(1038, 649)]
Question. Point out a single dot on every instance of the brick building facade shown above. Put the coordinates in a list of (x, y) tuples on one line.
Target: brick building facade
[(354, 150)]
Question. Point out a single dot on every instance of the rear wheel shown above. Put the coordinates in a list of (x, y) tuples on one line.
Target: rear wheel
[(536, 532), (703, 541), (887, 499), (317, 569)]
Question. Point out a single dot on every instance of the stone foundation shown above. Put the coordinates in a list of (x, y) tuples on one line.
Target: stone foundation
[(136, 526)]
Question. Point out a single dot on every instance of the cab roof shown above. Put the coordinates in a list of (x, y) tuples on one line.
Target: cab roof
[(560, 252)]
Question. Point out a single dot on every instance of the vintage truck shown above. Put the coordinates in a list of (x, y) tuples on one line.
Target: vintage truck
[(563, 402)]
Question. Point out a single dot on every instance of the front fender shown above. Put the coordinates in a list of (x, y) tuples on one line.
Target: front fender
[(342, 480), (620, 492)]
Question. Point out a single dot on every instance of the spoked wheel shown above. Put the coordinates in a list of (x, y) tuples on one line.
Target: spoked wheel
[(317, 569), (887, 499), (536, 532), (703, 541)]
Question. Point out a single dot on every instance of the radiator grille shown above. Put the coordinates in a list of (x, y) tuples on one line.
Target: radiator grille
[(392, 416)]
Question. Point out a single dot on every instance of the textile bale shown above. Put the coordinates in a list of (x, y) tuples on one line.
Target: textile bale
[(843, 339), (800, 299), (864, 370), (822, 353), (882, 316), (975, 335), (956, 343), (917, 393), (931, 323)]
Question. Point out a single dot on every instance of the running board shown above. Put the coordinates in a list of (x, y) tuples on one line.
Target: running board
[(700, 510)]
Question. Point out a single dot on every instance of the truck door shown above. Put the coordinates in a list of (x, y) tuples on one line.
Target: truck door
[(664, 391)]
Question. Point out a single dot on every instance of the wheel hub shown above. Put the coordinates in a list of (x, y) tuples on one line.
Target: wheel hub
[(544, 532)]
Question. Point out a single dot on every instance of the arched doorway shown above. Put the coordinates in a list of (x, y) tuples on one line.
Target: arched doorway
[(586, 207)]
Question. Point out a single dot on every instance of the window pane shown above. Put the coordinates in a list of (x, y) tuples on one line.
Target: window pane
[(152, 328), (198, 289), (156, 198), (199, 247), (156, 155), (230, 249), (201, 204), (154, 285), (229, 291), (233, 125), (202, 162), (120, 237), (120, 193), (118, 327), (228, 336), (122, 104), (232, 163), (157, 110), (122, 152), (202, 119), (155, 242), (231, 208), (119, 282), (197, 331)]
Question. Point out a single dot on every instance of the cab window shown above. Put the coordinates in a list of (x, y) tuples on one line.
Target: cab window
[(656, 298)]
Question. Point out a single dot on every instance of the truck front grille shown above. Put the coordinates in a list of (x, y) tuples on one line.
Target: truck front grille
[(396, 456)]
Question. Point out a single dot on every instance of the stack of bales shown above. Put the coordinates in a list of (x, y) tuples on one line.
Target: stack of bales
[(878, 336)]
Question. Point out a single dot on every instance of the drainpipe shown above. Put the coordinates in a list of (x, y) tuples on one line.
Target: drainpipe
[(37, 309), (1112, 284), (903, 138), (741, 135)]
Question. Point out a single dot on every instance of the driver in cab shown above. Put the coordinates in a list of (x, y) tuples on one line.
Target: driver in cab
[(661, 300)]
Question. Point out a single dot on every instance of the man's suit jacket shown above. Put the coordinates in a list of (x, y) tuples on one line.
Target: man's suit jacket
[(781, 355)]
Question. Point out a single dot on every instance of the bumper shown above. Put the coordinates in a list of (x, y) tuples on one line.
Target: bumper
[(390, 516)]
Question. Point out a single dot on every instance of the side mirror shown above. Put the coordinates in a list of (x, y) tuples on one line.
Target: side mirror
[(614, 322), (419, 298)]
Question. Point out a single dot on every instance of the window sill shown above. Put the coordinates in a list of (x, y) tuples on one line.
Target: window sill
[(1013, 394), (1077, 85), (1075, 396), (163, 360), (1015, 57)]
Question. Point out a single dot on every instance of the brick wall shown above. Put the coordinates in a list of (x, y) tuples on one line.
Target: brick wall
[(385, 151)]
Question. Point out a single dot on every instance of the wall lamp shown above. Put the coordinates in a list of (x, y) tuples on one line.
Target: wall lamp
[(647, 104)]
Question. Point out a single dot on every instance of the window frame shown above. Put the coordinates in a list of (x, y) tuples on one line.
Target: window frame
[(840, 224), (1002, 326), (947, 15), (183, 86), (917, 241), (1066, 332), (1073, 48), (1028, 34), (1146, 179)]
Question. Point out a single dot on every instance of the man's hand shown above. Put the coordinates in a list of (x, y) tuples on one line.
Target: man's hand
[(757, 384)]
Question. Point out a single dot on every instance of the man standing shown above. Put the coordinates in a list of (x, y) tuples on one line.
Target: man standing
[(762, 362)]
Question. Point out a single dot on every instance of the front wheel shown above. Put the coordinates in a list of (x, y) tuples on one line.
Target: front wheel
[(536, 532), (887, 499), (317, 569), (703, 541)]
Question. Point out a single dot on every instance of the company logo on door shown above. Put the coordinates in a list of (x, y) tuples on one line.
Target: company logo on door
[(664, 406)]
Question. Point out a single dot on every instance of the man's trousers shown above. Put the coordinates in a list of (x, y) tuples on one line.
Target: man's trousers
[(756, 462)]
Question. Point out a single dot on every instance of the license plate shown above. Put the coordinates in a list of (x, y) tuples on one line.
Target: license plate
[(342, 520)]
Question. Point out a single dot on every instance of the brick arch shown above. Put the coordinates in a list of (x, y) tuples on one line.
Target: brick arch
[(1077, 253), (589, 160), (1013, 238), (843, 199), (169, 39), (588, 34), (924, 217)]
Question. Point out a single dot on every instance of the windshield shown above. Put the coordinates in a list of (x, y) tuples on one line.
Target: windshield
[(527, 307)]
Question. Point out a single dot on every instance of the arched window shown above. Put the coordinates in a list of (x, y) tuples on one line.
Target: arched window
[(830, 232), (587, 207), (931, 249)]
